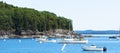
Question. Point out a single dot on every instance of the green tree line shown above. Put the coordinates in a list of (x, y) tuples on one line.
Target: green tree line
[(19, 18)]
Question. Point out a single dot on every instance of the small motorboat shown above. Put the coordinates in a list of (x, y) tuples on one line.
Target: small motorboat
[(42, 38), (118, 38), (93, 48), (45, 39), (112, 37)]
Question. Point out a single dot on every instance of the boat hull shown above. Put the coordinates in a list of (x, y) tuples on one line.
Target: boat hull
[(46, 40), (92, 49), (72, 42)]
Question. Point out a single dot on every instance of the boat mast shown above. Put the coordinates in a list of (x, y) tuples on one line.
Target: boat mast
[(69, 26), (69, 29), (45, 26)]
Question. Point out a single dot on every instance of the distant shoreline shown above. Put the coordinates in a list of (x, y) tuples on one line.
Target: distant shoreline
[(98, 32)]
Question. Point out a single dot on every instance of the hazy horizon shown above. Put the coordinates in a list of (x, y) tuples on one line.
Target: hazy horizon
[(97, 30), (86, 14)]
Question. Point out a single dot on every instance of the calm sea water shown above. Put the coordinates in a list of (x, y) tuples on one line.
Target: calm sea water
[(32, 46)]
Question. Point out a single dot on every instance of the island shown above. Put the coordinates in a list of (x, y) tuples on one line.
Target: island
[(22, 22)]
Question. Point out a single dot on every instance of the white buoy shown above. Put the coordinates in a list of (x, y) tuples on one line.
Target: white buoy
[(19, 41), (40, 42), (63, 47)]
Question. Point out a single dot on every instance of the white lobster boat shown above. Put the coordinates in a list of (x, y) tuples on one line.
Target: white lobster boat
[(93, 48), (72, 41)]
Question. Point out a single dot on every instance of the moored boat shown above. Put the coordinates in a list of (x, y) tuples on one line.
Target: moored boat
[(118, 37), (42, 38), (93, 48), (45, 39), (72, 41)]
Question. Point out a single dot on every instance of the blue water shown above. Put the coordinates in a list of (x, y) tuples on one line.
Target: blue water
[(32, 46)]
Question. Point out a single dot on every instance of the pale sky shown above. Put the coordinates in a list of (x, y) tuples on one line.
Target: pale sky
[(86, 14)]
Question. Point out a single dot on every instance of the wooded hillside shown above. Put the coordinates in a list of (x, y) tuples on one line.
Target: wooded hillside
[(20, 18)]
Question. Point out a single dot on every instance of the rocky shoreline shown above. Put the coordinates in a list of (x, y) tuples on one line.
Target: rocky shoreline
[(31, 34)]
